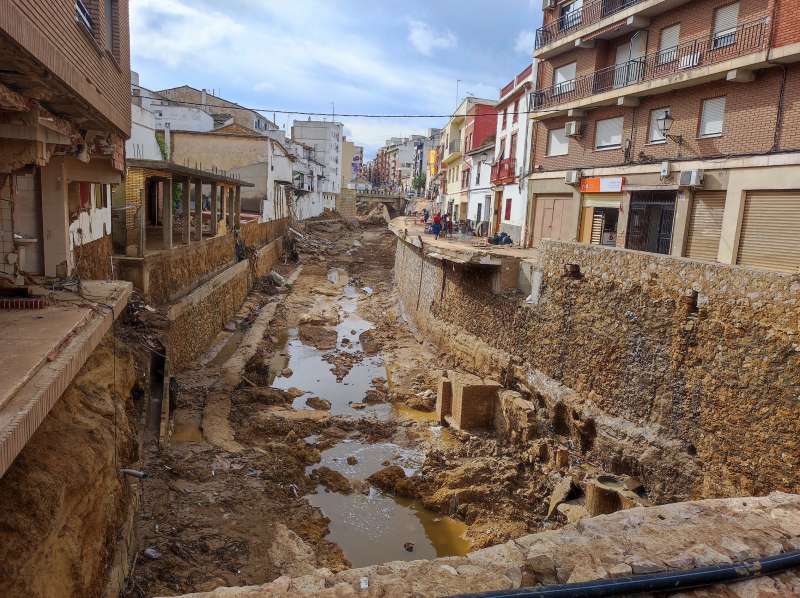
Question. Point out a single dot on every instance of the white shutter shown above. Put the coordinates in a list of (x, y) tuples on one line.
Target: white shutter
[(558, 143), (726, 18), (713, 117), (564, 78), (725, 21), (667, 47), (656, 134), (609, 133)]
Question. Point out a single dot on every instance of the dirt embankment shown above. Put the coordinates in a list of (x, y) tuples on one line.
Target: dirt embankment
[(63, 498)]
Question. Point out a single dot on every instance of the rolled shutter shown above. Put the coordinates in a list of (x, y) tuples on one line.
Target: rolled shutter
[(705, 226), (609, 132), (770, 235), (712, 119), (726, 18)]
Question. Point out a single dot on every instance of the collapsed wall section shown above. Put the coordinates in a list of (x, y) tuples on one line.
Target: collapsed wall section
[(680, 372)]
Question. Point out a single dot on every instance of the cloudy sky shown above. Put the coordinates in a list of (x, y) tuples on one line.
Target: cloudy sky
[(367, 57)]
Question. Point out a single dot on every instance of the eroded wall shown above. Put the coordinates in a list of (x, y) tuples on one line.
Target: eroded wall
[(698, 401)]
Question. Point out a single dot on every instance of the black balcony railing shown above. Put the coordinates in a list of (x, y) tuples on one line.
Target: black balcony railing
[(572, 20), (709, 49)]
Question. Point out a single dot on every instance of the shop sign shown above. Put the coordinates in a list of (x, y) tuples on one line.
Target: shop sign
[(602, 184)]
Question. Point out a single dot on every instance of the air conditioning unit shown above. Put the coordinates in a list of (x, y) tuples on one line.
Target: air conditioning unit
[(691, 178), (548, 4), (573, 177), (573, 128)]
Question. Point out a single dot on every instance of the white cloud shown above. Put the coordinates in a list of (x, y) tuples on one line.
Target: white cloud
[(525, 41), (425, 39)]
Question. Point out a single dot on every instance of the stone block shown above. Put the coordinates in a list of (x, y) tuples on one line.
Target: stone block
[(444, 400), (473, 402)]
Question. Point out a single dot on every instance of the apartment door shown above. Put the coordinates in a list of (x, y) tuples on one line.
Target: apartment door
[(549, 218), (650, 220), (629, 61), (769, 236), (497, 213)]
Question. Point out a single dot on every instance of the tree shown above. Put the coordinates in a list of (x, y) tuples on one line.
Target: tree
[(419, 182)]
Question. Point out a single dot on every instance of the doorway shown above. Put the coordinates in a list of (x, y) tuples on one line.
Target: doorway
[(498, 206), (650, 221)]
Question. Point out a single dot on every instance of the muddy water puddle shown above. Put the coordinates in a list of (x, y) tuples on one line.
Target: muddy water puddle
[(377, 528)]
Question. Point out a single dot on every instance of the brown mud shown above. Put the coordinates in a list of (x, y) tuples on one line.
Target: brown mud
[(256, 483)]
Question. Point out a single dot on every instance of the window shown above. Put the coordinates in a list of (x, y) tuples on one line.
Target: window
[(516, 111), (478, 175), (712, 117), (505, 118), (725, 20), (508, 209), (668, 44), (656, 134), (571, 15), (564, 78), (557, 144), (512, 152), (608, 134), (110, 16), (83, 15), (501, 149)]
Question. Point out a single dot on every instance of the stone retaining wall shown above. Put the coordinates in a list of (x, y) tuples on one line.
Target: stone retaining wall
[(93, 260), (634, 542), (696, 395), (196, 319)]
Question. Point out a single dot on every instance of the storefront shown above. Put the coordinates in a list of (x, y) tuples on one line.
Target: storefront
[(650, 221), (601, 205)]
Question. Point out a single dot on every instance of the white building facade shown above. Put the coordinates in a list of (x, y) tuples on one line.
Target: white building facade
[(326, 139), (509, 174)]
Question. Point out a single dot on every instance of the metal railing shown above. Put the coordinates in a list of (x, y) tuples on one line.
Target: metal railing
[(83, 15), (455, 146), (571, 21), (703, 51), (504, 171)]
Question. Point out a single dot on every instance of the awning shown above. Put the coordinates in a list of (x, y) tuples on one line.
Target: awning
[(602, 200)]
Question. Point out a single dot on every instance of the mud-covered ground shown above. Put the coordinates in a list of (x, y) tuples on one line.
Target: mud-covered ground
[(230, 501)]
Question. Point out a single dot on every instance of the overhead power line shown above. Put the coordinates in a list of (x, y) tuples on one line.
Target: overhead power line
[(327, 114)]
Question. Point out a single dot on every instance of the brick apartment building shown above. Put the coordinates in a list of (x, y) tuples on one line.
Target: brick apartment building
[(671, 127), (65, 114)]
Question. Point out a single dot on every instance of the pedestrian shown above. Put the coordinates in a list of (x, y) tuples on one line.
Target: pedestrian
[(449, 225), (436, 229)]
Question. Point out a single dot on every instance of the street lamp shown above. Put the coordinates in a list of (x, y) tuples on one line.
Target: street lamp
[(665, 124)]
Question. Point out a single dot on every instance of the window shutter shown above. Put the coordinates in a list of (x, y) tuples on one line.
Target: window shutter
[(564, 78), (656, 134), (713, 117), (609, 133), (667, 47), (559, 144), (725, 19)]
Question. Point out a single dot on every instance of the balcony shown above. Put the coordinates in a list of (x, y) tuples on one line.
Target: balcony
[(571, 21), (504, 172), (660, 68), (455, 146)]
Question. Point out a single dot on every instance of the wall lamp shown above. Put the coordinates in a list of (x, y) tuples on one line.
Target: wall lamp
[(665, 124)]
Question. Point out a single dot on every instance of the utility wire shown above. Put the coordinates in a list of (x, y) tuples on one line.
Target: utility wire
[(326, 114)]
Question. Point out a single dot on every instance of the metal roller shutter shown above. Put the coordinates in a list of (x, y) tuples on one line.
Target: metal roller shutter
[(770, 235), (705, 227)]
